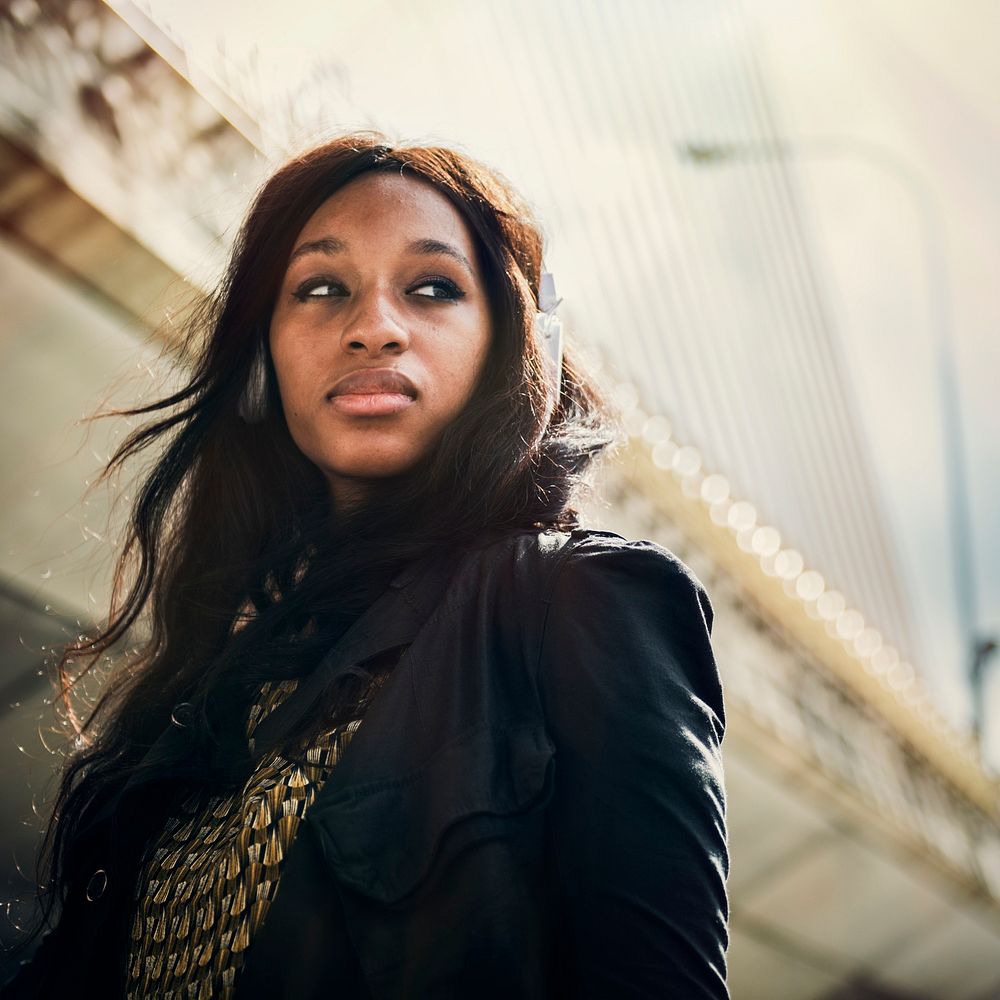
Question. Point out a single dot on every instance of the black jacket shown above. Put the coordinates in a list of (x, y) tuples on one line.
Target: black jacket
[(534, 805)]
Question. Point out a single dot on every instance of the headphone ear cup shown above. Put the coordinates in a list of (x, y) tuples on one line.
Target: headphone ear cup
[(548, 329), (252, 405)]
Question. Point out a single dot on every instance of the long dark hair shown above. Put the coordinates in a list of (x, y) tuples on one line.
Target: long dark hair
[(234, 567)]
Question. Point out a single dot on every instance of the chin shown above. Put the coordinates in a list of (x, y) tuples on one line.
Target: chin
[(369, 468)]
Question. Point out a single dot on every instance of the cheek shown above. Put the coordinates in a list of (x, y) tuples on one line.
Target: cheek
[(457, 377), (478, 367), (468, 364), (293, 370)]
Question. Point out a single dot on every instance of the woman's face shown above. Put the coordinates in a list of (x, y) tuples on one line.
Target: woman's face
[(383, 282)]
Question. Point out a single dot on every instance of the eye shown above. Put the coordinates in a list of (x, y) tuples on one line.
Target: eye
[(437, 288), (319, 288)]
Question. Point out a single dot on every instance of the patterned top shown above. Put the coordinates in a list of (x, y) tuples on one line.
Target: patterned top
[(207, 881)]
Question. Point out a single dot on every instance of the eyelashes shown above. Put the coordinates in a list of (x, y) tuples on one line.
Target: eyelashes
[(308, 289), (451, 291), (443, 290)]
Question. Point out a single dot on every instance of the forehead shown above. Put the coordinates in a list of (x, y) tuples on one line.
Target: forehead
[(389, 207)]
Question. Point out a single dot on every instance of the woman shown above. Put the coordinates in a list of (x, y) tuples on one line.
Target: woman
[(400, 727)]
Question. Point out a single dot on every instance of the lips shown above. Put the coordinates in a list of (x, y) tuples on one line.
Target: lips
[(371, 381)]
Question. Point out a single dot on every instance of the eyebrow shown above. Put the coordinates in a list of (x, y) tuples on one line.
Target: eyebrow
[(432, 248), (330, 245)]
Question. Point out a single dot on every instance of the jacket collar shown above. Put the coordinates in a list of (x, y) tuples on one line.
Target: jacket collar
[(392, 620)]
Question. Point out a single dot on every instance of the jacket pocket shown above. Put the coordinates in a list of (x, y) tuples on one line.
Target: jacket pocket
[(385, 838)]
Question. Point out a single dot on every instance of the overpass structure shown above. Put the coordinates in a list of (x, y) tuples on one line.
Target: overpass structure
[(865, 830)]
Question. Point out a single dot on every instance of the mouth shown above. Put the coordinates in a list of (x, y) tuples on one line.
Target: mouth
[(374, 382), (371, 404)]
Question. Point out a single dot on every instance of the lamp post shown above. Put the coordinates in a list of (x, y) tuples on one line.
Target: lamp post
[(979, 650)]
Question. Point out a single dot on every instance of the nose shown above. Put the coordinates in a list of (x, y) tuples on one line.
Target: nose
[(374, 325)]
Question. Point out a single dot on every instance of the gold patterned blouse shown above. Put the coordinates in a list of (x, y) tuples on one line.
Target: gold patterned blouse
[(208, 879)]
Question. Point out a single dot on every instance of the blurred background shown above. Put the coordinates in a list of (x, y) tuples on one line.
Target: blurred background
[(775, 227)]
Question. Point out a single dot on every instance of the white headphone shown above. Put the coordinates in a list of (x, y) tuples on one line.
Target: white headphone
[(548, 328)]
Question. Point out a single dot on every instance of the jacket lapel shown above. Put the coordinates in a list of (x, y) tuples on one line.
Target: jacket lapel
[(392, 620)]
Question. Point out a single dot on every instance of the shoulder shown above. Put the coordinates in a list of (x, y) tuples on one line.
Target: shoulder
[(548, 552), (592, 558), (541, 564), (632, 613)]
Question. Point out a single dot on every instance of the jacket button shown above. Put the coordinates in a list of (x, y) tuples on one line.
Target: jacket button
[(97, 884), (181, 714)]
